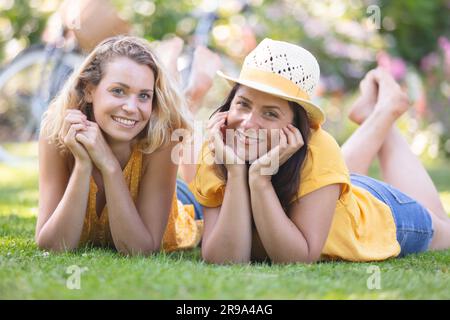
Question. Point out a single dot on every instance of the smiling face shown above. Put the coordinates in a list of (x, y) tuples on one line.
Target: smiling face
[(252, 110), (122, 101)]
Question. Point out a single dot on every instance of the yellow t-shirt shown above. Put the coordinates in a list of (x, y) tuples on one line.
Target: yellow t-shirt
[(363, 228)]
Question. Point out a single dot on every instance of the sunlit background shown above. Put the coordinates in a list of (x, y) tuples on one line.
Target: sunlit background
[(409, 38)]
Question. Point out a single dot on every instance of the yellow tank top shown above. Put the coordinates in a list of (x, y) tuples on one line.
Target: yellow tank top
[(182, 231)]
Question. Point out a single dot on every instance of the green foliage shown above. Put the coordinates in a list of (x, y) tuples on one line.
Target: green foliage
[(335, 31), (157, 20), (418, 26), (24, 22)]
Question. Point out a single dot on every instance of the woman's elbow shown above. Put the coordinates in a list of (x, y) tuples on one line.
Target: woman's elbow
[(224, 260), (148, 251), (314, 255), (214, 258), (310, 258), (45, 244), (143, 250)]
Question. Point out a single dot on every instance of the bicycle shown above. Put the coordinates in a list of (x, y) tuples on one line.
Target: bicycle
[(27, 85), (34, 77)]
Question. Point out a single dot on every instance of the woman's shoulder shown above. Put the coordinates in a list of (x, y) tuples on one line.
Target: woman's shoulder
[(52, 154), (324, 155), (321, 140), (324, 163), (163, 154), (320, 135)]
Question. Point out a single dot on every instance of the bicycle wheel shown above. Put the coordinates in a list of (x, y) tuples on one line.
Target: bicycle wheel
[(27, 85)]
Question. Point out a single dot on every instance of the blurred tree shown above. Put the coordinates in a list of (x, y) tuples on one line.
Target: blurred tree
[(415, 26), (22, 23), (157, 18), (341, 34)]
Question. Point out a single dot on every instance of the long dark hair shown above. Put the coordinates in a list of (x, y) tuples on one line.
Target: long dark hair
[(286, 181)]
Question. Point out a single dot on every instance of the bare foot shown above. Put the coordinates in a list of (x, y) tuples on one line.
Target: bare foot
[(365, 103), (391, 98), (204, 67), (168, 52), (361, 109)]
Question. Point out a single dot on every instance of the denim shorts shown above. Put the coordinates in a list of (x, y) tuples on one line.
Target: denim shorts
[(412, 220), (187, 197)]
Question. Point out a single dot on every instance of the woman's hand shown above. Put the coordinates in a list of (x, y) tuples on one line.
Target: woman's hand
[(291, 140), (99, 151), (364, 104), (223, 153), (74, 122)]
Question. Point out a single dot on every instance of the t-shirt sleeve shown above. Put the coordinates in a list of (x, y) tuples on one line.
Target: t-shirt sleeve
[(324, 164), (207, 187)]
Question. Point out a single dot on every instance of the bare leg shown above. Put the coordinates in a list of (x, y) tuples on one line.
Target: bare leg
[(358, 152), (399, 166), (378, 136), (362, 147), (402, 169), (381, 103), (204, 67), (441, 237), (168, 51)]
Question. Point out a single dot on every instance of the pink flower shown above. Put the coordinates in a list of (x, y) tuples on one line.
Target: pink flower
[(444, 43), (395, 66), (429, 62)]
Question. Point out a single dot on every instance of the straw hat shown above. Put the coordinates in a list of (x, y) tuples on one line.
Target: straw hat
[(284, 70)]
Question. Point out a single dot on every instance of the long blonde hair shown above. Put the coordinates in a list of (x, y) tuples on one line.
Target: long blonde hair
[(169, 106)]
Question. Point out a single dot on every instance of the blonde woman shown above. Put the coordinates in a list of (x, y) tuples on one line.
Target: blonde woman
[(302, 199), (106, 177)]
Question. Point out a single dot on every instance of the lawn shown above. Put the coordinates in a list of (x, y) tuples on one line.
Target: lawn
[(29, 273)]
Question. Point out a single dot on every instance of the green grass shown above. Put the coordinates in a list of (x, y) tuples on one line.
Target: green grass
[(29, 273)]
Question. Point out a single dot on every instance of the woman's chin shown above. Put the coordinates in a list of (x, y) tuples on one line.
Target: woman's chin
[(121, 137), (251, 153)]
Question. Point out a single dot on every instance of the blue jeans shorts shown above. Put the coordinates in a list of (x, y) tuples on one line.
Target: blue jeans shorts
[(412, 220), (187, 197)]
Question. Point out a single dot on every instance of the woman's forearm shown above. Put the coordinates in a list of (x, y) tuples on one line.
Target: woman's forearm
[(129, 233), (283, 241), (62, 231), (231, 239)]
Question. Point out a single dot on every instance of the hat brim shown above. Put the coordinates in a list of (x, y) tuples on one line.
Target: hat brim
[(315, 114)]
